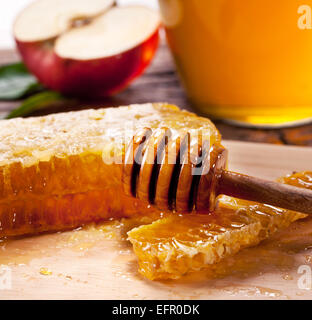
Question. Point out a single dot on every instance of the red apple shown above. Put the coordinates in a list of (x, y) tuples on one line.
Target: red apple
[(86, 47)]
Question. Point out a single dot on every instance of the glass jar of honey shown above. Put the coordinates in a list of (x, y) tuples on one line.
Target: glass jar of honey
[(248, 61)]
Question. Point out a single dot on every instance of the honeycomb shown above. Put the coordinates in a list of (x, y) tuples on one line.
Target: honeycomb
[(298, 179), (58, 172), (178, 244), (24, 217)]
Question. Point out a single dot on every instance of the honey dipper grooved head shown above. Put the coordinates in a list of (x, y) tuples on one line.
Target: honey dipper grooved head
[(172, 170)]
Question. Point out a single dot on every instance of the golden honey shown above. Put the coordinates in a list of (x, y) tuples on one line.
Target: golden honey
[(179, 244), (247, 61), (64, 170), (54, 177)]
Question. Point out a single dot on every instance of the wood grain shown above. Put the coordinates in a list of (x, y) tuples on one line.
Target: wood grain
[(86, 264), (249, 188), (161, 84)]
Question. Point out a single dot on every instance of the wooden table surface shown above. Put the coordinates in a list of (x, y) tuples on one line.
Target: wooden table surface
[(79, 269), (97, 262), (161, 84)]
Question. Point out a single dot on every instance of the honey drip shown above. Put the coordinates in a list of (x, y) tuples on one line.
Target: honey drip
[(180, 244)]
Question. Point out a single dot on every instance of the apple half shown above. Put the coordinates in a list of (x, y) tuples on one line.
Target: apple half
[(89, 48)]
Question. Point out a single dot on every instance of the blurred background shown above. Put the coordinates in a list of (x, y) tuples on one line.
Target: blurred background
[(10, 9), (160, 82)]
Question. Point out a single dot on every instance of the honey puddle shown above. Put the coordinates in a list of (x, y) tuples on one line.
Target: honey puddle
[(243, 275), (23, 250)]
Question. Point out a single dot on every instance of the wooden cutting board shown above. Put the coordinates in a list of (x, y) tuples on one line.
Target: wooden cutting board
[(96, 264)]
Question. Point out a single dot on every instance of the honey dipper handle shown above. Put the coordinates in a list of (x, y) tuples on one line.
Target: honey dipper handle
[(269, 192)]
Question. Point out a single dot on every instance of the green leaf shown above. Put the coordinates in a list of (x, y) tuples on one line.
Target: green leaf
[(16, 82), (36, 102)]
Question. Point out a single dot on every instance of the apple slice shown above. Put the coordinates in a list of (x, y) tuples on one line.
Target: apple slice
[(86, 48), (46, 19)]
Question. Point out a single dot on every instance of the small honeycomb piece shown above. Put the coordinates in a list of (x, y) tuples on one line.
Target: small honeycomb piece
[(177, 244), (298, 179)]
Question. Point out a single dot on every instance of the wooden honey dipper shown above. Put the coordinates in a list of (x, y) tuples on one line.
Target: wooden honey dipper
[(159, 168)]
